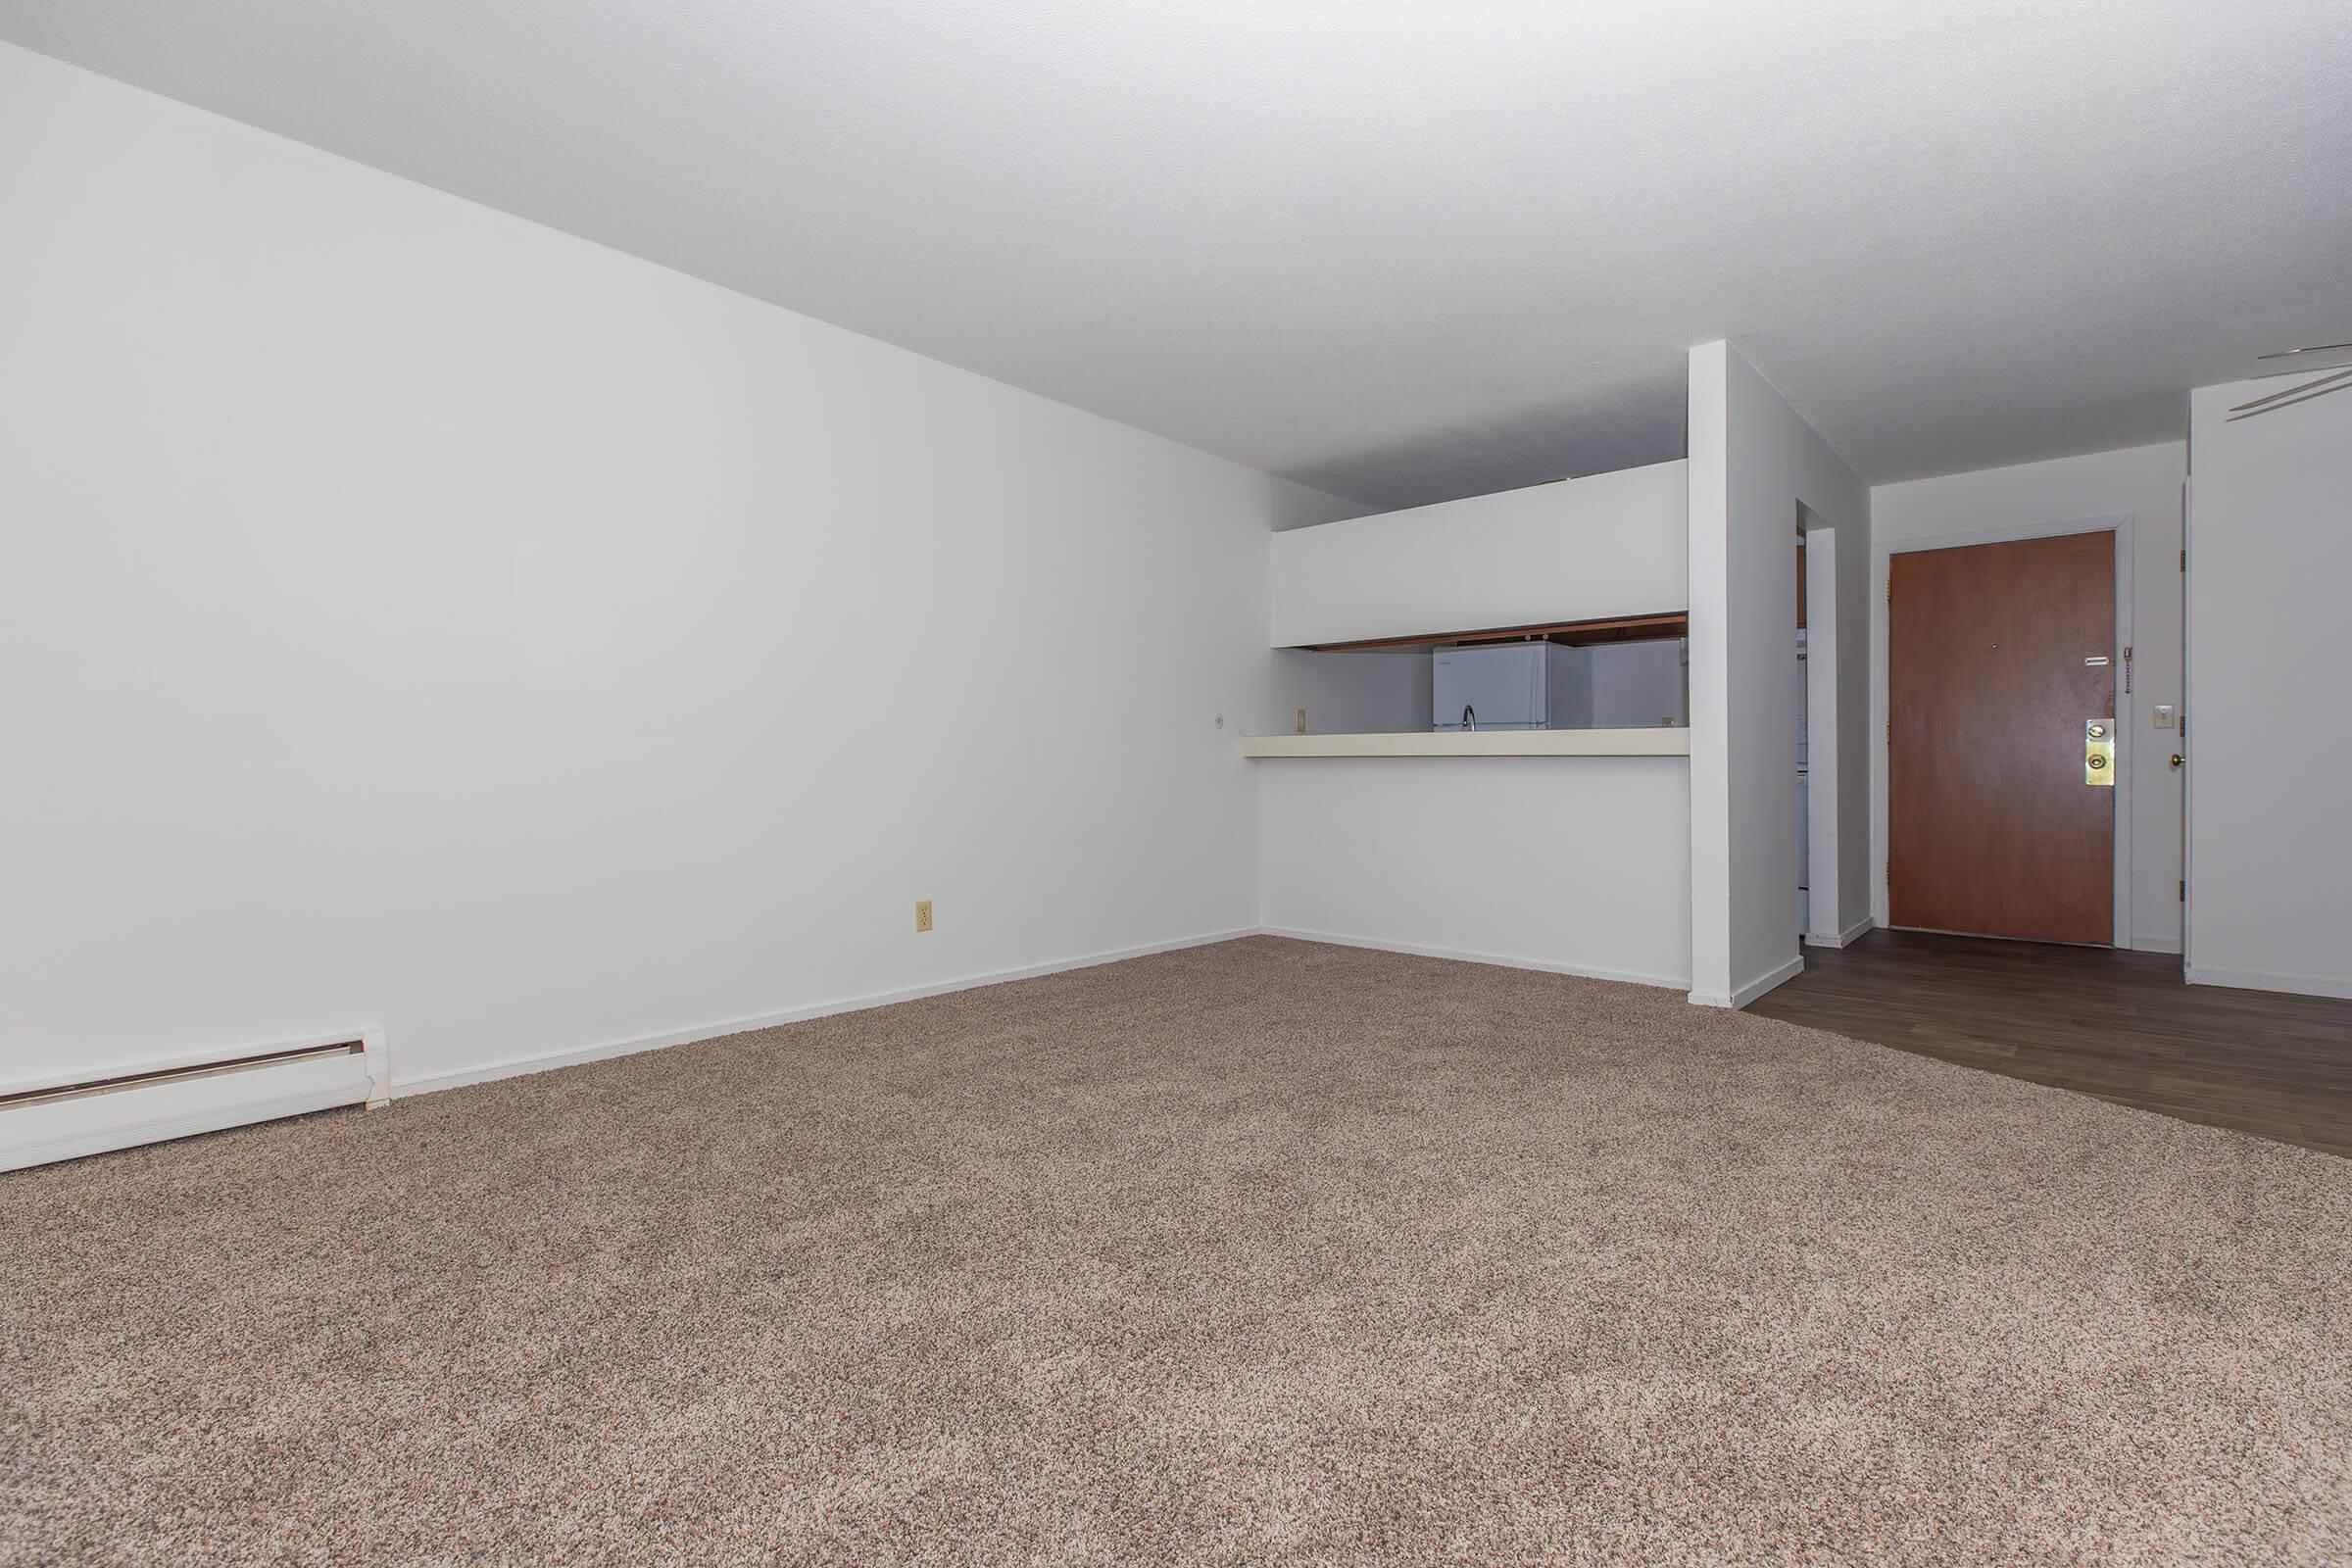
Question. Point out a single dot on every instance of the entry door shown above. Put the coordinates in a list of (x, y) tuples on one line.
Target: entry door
[(1997, 658)]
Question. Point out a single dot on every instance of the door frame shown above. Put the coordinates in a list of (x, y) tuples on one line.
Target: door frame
[(2117, 524), (1828, 923)]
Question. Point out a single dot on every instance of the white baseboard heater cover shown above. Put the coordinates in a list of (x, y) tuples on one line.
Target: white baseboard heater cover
[(44, 1123)]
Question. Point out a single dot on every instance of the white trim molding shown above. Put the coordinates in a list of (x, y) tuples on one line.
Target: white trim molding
[(1841, 938), (1458, 955), (1779, 975), (2307, 985), (549, 1060)]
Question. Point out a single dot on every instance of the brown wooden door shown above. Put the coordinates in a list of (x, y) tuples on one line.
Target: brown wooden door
[(1990, 825)]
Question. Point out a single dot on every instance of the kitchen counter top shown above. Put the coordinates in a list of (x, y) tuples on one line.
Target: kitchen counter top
[(1658, 742)]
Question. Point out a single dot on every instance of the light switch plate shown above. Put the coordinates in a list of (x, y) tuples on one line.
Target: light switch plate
[(2163, 715)]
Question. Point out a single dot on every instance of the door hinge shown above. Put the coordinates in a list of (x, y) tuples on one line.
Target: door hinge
[(2185, 890), (1891, 732), (2183, 561)]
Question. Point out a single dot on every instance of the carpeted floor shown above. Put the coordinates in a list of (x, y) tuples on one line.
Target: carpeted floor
[(1265, 1252)]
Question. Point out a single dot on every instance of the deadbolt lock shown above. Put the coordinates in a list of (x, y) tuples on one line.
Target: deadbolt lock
[(2098, 753)]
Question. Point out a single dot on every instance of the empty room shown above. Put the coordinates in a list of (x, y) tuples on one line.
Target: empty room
[(1212, 784)]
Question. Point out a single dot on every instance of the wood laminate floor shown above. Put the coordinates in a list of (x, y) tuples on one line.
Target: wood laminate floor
[(2119, 1025)]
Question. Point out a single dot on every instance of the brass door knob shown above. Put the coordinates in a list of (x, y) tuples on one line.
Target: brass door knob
[(2178, 759)]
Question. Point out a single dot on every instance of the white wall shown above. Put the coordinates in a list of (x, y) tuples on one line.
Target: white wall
[(2139, 488), (412, 617), (2270, 552), (1578, 863), (1757, 472), (1609, 544), (1363, 691)]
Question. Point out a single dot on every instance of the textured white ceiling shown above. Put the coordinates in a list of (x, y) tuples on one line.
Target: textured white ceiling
[(1400, 249)]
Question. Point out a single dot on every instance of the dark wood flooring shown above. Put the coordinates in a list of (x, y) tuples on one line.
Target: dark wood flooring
[(2119, 1025)]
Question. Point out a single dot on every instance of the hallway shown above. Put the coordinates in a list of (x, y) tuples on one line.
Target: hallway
[(2117, 1025)]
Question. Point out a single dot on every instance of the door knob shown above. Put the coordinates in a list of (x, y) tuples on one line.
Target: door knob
[(2178, 759)]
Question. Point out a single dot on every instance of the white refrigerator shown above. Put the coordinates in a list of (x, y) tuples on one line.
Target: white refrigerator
[(1510, 686)]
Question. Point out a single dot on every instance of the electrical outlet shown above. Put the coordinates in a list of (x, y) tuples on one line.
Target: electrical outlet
[(922, 914)]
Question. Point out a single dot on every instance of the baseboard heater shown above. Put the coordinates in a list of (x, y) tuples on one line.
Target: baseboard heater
[(44, 1123)]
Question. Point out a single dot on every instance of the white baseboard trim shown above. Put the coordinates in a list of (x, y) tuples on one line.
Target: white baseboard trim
[(2155, 944), (1781, 975), (547, 1061), (1754, 988), (1844, 938), (1416, 950), (2307, 985)]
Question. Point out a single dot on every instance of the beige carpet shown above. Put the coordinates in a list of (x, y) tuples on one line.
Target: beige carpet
[(1265, 1252)]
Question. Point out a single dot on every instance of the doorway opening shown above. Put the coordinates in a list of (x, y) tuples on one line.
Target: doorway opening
[(1804, 776), (1824, 728)]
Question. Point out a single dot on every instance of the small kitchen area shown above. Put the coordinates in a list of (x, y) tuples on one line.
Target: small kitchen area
[(1628, 674), (1555, 611), (1476, 741)]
